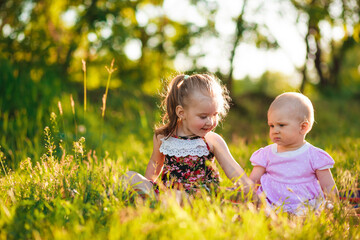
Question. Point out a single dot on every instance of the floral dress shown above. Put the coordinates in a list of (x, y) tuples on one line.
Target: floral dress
[(189, 165)]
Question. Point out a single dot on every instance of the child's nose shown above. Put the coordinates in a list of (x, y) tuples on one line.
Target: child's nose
[(276, 129)]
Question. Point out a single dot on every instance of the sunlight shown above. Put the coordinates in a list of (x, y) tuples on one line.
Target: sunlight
[(25, 14), (182, 11), (146, 12), (69, 17), (282, 22), (106, 32), (6, 30), (133, 49), (92, 37), (142, 18), (250, 61)]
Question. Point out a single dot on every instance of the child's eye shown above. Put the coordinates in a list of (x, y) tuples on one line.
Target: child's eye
[(281, 125), (271, 126), (203, 117)]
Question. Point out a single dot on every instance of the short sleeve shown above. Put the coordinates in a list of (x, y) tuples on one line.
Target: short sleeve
[(321, 160), (259, 158)]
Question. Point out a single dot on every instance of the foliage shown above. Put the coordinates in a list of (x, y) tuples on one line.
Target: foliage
[(325, 53), (60, 175), (43, 42)]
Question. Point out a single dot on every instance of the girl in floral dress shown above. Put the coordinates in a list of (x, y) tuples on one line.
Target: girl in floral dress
[(293, 174), (185, 146)]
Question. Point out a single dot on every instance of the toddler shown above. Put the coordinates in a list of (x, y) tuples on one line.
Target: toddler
[(185, 146), (291, 172)]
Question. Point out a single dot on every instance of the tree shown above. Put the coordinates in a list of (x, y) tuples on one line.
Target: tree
[(327, 53), (260, 37)]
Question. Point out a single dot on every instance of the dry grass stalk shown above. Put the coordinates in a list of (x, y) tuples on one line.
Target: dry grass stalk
[(110, 71), (84, 70), (72, 103)]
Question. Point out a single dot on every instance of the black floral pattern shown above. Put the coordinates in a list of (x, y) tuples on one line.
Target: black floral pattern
[(190, 173)]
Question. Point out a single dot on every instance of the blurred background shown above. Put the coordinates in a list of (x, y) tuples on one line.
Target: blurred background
[(257, 48)]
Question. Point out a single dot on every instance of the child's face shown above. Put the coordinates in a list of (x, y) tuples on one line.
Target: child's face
[(200, 115), (285, 129)]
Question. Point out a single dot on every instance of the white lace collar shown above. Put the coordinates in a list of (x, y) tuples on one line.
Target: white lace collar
[(293, 153), (184, 147)]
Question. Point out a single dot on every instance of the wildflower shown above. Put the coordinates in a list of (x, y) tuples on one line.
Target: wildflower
[(60, 108), (79, 146), (72, 104), (53, 116), (81, 128)]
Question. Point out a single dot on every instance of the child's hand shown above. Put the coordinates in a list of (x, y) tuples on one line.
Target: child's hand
[(243, 195)]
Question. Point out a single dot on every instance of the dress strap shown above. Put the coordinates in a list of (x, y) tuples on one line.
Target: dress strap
[(191, 138), (185, 137), (207, 145)]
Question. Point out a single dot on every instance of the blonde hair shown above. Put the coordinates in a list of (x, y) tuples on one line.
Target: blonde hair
[(179, 92), (298, 102)]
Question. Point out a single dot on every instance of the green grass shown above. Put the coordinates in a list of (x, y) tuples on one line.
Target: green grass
[(63, 184)]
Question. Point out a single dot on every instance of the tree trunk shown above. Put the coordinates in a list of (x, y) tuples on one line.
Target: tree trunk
[(304, 69), (238, 36)]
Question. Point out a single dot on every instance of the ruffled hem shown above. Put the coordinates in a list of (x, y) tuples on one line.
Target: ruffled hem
[(302, 208), (289, 195)]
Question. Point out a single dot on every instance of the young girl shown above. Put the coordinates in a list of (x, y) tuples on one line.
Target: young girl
[(184, 147), (292, 173)]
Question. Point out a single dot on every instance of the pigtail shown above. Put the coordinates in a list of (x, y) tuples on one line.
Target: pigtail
[(169, 104)]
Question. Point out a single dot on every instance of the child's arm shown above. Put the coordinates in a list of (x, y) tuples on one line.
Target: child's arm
[(222, 154), (327, 184), (256, 174), (156, 161)]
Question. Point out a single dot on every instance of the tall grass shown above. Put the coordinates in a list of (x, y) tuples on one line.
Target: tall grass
[(81, 196), (84, 70), (63, 187), (110, 71)]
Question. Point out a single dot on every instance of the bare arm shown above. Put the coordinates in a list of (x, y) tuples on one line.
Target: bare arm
[(156, 161), (256, 174), (327, 184), (231, 168)]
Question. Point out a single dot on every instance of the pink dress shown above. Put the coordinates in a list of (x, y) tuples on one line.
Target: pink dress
[(290, 180)]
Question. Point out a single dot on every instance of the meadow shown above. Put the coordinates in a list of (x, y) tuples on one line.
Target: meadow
[(61, 166)]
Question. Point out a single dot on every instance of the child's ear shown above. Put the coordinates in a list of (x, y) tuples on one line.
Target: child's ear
[(305, 127), (180, 112)]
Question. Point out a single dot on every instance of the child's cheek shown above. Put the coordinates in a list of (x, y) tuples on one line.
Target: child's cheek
[(215, 124)]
